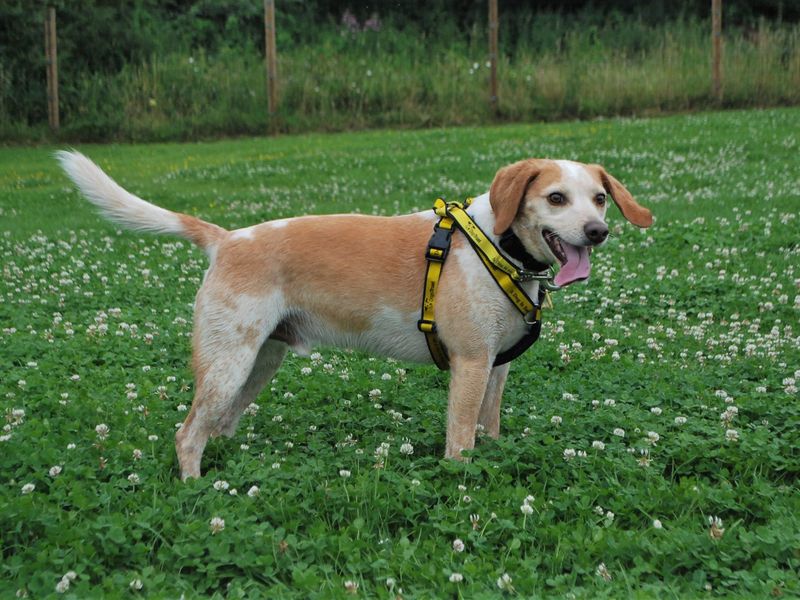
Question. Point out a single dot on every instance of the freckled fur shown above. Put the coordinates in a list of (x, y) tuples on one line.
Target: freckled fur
[(356, 281)]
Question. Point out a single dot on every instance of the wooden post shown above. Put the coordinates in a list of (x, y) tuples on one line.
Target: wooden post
[(493, 26), (51, 60), (271, 56), (716, 49)]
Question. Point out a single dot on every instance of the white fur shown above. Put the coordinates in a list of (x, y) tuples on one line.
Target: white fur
[(115, 203)]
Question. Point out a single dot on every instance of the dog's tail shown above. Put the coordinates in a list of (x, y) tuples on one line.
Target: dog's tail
[(132, 212)]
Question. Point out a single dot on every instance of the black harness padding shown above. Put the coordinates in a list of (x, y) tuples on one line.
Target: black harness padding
[(512, 246), (526, 341)]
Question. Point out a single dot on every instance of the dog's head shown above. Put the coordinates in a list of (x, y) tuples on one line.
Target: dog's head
[(557, 209)]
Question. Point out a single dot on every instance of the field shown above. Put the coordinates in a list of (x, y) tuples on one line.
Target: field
[(650, 441)]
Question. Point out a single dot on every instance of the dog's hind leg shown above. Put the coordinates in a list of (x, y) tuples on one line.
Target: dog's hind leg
[(232, 359), (268, 361), (489, 416)]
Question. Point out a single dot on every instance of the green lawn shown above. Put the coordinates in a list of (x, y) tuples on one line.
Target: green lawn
[(686, 337)]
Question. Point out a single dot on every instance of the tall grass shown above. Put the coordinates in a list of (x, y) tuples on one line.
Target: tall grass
[(391, 78)]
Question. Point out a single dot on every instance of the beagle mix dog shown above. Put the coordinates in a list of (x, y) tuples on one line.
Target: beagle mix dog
[(356, 281)]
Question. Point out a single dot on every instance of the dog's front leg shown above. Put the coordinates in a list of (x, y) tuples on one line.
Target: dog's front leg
[(468, 380), (489, 416)]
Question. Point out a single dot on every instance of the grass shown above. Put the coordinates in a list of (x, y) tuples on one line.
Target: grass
[(688, 330), (399, 78)]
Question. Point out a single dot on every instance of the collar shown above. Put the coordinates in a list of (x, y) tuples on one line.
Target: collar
[(512, 245)]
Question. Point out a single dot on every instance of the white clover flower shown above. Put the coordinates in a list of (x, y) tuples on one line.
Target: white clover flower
[(62, 586), (376, 393), (351, 586), (136, 584), (416, 482), (152, 438), (680, 420), (221, 485), (609, 517), (344, 473), (569, 454), (609, 402), (382, 451), (504, 583), (474, 519), (407, 449), (134, 478), (276, 465), (526, 509), (55, 471), (716, 531), (456, 578), (386, 377), (653, 437), (556, 420), (102, 431), (216, 524), (253, 491), (657, 524), (732, 435), (305, 371), (598, 445), (656, 410), (28, 488), (603, 572), (458, 545), (390, 582), (619, 432)]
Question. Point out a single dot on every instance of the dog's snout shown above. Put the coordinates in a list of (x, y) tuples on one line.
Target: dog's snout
[(596, 232)]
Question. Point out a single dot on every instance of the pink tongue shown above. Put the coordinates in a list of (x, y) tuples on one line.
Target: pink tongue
[(577, 266)]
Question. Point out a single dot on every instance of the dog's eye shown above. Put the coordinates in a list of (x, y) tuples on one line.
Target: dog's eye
[(556, 198), (600, 199)]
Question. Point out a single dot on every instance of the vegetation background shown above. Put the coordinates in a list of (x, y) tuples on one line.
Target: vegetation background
[(152, 70)]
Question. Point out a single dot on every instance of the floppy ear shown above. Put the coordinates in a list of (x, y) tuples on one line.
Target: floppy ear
[(508, 190), (631, 210)]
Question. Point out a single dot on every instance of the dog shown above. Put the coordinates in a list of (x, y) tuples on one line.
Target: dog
[(356, 281)]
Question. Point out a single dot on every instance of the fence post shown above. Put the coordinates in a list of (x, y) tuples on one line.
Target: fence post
[(493, 26), (51, 60), (271, 57), (716, 49)]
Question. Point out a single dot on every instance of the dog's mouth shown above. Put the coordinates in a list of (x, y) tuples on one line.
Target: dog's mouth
[(574, 260)]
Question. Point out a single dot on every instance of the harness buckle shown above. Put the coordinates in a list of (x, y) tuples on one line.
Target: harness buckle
[(439, 244), (426, 326)]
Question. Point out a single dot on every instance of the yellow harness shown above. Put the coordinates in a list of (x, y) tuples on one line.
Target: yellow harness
[(506, 275)]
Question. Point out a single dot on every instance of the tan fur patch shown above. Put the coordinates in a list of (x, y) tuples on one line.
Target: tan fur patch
[(342, 268), (200, 232), (630, 209), (511, 184)]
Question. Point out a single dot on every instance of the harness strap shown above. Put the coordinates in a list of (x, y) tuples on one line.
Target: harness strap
[(438, 248), (505, 274)]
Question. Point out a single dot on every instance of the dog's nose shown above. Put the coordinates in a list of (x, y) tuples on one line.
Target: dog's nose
[(596, 231)]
